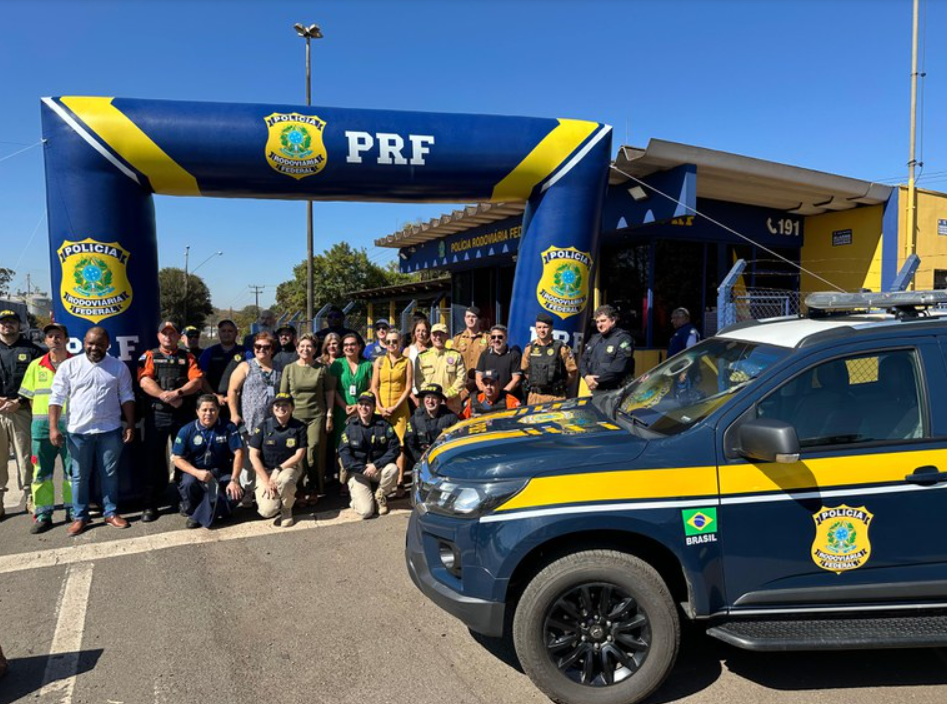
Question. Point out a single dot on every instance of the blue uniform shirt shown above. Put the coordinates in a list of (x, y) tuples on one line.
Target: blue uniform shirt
[(684, 337), (208, 448)]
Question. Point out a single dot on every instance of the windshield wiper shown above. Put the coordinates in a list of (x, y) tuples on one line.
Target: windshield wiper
[(634, 419)]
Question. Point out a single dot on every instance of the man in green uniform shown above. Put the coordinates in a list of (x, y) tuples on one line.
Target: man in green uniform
[(36, 387)]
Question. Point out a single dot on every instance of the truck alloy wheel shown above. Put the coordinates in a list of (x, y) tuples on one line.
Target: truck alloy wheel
[(597, 627)]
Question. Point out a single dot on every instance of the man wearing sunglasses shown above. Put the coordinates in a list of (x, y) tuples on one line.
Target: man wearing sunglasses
[(335, 322), (169, 379), (504, 362)]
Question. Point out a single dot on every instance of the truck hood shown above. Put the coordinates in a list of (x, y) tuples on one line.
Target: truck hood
[(530, 441)]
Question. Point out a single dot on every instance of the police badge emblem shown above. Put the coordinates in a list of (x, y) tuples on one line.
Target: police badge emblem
[(290, 442), (94, 279), (294, 144), (841, 541), (563, 288)]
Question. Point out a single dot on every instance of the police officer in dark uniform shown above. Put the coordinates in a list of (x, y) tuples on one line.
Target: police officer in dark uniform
[(608, 360), (16, 353), (335, 320), (192, 338), (209, 454), (286, 352), (277, 449), (685, 333), (368, 450), (430, 419), (548, 365), (215, 360), (169, 379)]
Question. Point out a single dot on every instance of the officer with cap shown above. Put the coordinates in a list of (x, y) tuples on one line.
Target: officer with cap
[(209, 454), (367, 451), (608, 360), (277, 448), (169, 379), (471, 343), (430, 419), (16, 353), (192, 339), (442, 366), (685, 333), (491, 399), (378, 348), (286, 351), (548, 365), (36, 388)]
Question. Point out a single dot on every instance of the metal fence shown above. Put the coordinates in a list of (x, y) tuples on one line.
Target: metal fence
[(736, 302)]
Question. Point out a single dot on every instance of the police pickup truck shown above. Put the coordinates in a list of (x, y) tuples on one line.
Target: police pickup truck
[(780, 484)]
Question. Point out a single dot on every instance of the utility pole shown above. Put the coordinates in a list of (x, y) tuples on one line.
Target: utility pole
[(911, 235), (308, 33), (257, 290), (187, 253)]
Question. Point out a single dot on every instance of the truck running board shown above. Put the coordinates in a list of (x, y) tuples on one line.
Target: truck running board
[(857, 633)]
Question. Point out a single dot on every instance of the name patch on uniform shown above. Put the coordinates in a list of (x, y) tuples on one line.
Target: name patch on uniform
[(700, 525), (841, 541)]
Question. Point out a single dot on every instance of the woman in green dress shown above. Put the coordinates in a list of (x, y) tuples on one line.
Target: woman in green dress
[(353, 375), (313, 391)]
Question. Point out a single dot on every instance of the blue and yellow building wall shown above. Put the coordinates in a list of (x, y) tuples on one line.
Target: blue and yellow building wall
[(931, 236)]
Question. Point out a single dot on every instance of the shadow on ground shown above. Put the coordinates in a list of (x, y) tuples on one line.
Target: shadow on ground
[(25, 676)]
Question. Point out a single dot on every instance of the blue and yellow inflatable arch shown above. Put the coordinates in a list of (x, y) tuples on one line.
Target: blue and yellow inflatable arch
[(105, 157)]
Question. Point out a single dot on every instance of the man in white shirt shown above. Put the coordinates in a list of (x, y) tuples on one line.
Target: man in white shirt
[(99, 389)]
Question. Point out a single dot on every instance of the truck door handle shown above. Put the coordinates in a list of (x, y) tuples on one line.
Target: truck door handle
[(928, 474)]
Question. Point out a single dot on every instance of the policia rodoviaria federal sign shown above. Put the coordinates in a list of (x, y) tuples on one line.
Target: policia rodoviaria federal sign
[(107, 157)]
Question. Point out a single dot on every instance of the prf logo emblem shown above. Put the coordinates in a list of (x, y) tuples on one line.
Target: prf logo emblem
[(841, 538), (564, 285), (94, 279), (294, 144)]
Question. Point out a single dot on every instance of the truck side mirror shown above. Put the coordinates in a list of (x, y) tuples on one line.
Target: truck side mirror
[(768, 440)]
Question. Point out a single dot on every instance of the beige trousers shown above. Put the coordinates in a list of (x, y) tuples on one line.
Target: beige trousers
[(15, 431), (363, 495), (286, 485)]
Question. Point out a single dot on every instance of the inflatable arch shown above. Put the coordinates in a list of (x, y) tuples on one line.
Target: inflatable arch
[(106, 157)]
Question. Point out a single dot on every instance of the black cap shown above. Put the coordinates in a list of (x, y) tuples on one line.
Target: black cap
[(291, 329), (56, 326), (366, 397), (474, 310), (223, 322), (432, 390), (544, 318), (283, 398), (488, 375)]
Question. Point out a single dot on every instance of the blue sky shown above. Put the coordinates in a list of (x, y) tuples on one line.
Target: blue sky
[(821, 84)]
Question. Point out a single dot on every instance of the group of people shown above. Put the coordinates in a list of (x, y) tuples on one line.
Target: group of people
[(272, 420)]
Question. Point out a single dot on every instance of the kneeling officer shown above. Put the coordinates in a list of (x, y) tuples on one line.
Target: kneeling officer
[(277, 449), (367, 451), (209, 453)]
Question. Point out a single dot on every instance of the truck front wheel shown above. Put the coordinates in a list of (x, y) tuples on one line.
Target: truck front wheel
[(597, 627)]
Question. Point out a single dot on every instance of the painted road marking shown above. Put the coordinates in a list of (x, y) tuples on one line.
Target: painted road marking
[(76, 554), (59, 679)]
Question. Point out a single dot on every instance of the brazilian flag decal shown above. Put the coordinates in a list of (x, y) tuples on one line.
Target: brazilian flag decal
[(699, 521)]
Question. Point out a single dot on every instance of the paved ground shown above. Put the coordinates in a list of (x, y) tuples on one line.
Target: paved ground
[(322, 612)]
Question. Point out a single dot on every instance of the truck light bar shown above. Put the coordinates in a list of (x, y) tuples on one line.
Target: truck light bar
[(885, 300)]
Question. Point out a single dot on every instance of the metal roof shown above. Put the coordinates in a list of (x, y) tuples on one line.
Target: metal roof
[(742, 179), (412, 288), (720, 176)]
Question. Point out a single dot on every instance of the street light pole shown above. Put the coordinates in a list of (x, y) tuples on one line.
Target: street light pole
[(309, 33)]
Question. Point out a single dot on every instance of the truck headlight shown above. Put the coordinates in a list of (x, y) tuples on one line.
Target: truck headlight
[(468, 499)]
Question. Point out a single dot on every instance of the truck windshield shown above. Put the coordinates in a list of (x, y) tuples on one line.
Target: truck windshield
[(693, 384)]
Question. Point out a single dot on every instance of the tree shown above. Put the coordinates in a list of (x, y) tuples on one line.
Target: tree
[(171, 284), (6, 276), (337, 271), (243, 317)]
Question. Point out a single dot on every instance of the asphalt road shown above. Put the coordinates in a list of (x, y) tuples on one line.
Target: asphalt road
[(322, 612)]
